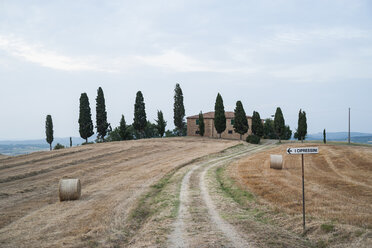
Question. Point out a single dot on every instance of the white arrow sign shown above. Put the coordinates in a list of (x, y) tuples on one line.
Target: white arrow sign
[(303, 150)]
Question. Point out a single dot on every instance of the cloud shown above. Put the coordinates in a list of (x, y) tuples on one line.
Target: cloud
[(39, 55), (171, 60), (283, 37), (174, 60), (283, 53), (179, 62)]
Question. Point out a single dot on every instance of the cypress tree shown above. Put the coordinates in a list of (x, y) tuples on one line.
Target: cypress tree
[(85, 118), (139, 120), (287, 133), (178, 109), (279, 124), (302, 126), (219, 115), (123, 129), (268, 129), (240, 120), (324, 137), (257, 125), (161, 123), (49, 130), (201, 124), (101, 115)]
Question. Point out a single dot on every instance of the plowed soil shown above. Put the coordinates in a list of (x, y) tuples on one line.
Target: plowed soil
[(113, 176)]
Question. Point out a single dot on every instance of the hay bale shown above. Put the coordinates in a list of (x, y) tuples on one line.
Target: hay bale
[(276, 162), (69, 189)]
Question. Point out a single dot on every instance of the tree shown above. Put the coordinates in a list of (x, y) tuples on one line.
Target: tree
[(324, 137), (287, 134), (59, 146), (179, 110), (201, 124), (161, 123), (85, 118), (240, 119), (219, 115), (279, 124), (268, 129), (114, 135), (170, 133), (139, 120), (123, 129), (151, 130), (302, 126), (257, 126), (101, 115), (49, 130)]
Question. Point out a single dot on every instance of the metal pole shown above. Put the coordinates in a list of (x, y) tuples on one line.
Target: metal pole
[(349, 127), (303, 192)]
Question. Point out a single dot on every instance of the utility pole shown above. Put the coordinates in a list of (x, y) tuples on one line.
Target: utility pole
[(349, 128)]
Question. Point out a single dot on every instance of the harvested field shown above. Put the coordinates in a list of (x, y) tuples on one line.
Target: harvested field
[(338, 182), (113, 176)]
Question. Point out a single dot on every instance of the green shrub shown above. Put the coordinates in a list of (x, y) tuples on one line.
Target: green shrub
[(253, 139), (58, 146), (87, 143), (327, 227)]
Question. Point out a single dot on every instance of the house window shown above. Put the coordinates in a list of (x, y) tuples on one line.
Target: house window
[(232, 121), (197, 121), (197, 132), (230, 131)]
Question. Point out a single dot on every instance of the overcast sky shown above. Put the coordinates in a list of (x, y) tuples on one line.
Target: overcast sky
[(314, 55)]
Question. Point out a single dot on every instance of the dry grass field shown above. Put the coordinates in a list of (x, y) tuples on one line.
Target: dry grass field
[(113, 175), (338, 182), (178, 191), (338, 187)]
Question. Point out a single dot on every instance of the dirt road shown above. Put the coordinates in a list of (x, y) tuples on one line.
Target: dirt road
[(212, 229), (113, 176)]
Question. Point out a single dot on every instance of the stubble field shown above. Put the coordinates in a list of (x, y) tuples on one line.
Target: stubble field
[(187, 192), (338, 190), (113, 176)]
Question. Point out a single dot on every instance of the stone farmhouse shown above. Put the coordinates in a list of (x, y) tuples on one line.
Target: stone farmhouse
[(210, 130)]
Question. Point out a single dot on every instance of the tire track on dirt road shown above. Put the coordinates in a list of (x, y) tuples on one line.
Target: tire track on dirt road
[(179, 236)]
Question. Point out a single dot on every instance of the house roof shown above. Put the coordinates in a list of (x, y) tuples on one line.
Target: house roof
[(210, 115)]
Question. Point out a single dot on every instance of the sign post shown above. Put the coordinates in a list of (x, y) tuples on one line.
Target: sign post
[(302, 151), (303, 193)]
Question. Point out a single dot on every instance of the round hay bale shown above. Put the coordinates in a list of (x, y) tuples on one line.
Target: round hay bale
[(276, 162), (69, 189)]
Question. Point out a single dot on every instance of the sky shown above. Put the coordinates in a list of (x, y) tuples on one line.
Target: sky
[(311, 55)]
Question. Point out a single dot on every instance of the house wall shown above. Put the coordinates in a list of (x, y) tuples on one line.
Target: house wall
[(210, 130)]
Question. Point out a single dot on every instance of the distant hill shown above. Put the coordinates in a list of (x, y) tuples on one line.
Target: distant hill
[(63, 141), (17, 147), (356, 137)]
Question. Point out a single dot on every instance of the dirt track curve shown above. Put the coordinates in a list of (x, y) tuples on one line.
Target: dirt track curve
[(212, 229)]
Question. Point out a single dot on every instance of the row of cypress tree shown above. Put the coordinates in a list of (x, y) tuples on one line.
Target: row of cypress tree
[(140, 122), (271, 129), (140, 128)]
